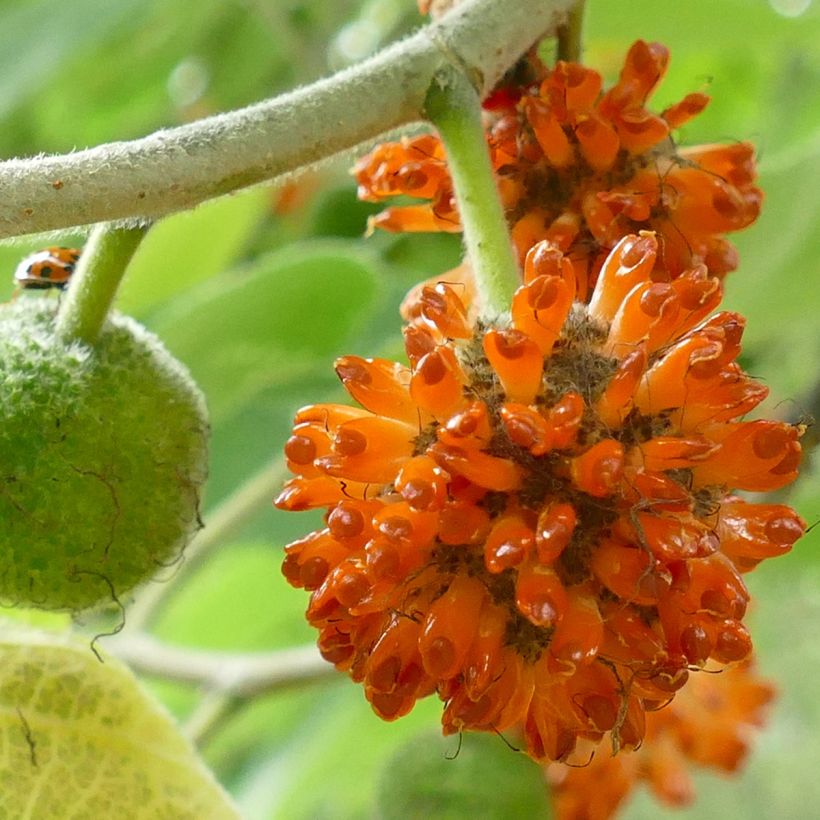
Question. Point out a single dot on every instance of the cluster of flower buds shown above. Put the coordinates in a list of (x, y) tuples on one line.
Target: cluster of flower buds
[(537, 519), (582, 168)]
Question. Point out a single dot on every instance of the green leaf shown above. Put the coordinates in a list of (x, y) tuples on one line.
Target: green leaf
[(29, 56), (327, 767), (433, 777), (187, 248), (81, 739), (265, 326), (270, 614)]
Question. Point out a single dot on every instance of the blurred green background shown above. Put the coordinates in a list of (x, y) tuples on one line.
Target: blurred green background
[(257, 294)]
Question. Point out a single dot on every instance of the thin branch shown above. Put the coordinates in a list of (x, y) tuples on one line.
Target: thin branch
[(226, 521), (178, 168), (232, 674), (212, 712)]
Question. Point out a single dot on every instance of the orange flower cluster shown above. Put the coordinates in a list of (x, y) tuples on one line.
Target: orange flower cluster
[(708, 724), (582, 168), (535, 519)]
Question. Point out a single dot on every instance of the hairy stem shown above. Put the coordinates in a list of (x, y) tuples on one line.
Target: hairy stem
[(177, 168), (454, 108), (570, 34), (233, 674), (94, 284)]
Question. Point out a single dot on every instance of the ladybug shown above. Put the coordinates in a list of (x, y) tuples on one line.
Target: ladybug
[(49, 268)]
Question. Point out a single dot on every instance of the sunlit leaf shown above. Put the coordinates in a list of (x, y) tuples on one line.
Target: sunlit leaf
[(81, 739)]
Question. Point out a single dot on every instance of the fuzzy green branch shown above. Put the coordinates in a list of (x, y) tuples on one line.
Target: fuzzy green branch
[(453, 106), (176, 169)]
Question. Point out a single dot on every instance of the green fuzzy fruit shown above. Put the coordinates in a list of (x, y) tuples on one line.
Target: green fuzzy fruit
[(102, 457)]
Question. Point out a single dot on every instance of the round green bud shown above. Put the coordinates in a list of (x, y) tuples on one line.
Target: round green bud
[(103, 454)]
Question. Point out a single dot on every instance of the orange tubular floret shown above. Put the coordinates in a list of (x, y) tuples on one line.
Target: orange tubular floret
[(309, 560), (689, 107), (540, 308), (437, 383), (598, 471), (731, 395), (644, 67), (394, 670), (564, 420), (546, 259), (406, 219), (527, 428), (638, 130), (647, 313), (572, 86), (539, 594), (664, 493), (378, 385), (708, 204), (308, 442), (545, 736), (483, 659), (547, 129), (734, 162), (422, 484), (508, 544), (469, 429), (349, 521), (758, 456), (449, 627), (517, 361), (528, 231), (418, 342), (369, 450), (751, 532), (672, 452), (329, 416), (553, 531), (514, 693), (598, 141), (630, 263), (408, 528), (500, 474), (670, 538), (579, 635), (699, 294), (562, 232), (680, 376), (443, 309), (616, 401), (630, 572), (463, 523)]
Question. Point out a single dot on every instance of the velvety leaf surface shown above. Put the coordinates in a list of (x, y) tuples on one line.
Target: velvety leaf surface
[(80, 739)]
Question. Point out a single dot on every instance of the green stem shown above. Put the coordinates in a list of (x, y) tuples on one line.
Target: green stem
[(94, 284), (454, 108), (570, 35)]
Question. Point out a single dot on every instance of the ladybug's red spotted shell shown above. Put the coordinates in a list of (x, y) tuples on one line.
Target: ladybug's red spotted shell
[(49, 268)]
